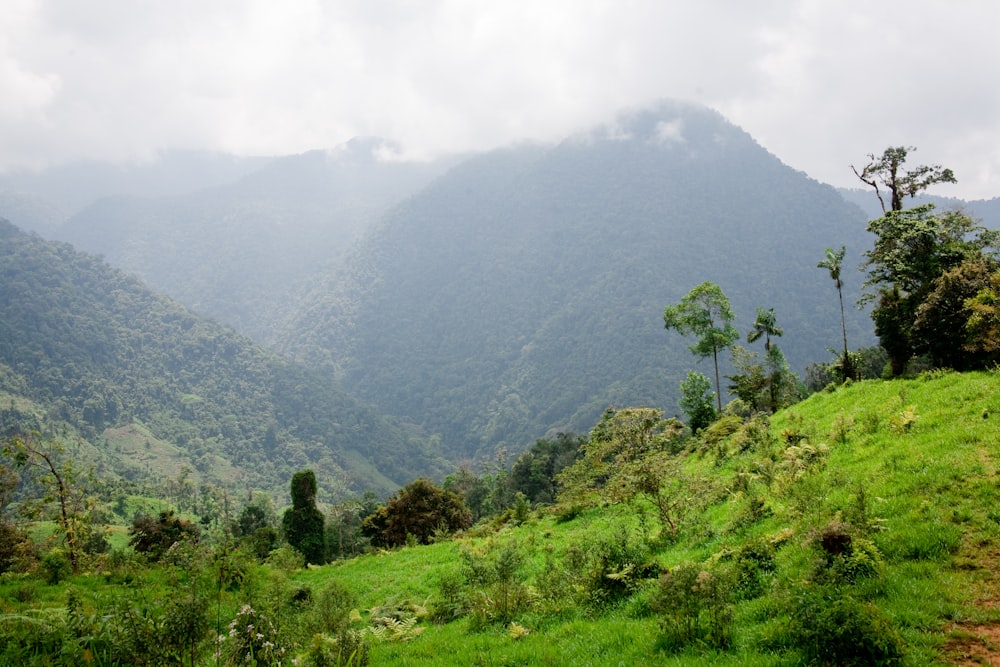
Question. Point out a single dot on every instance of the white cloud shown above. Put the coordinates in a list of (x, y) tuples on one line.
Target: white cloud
[(819, 84)]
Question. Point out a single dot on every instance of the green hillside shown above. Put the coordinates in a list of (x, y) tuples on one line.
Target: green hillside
[(857, 527), (152, 388), (907, 469)]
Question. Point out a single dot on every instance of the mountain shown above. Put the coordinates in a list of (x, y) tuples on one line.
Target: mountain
[(71, 187), (152, 388), (239, 252), (522, 292)]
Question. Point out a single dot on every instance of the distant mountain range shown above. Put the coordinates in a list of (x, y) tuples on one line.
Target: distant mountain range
[(151, 388), (484, 300)]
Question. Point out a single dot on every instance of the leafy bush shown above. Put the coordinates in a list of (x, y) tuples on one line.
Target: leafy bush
[(697, 401), (252, 639), (154, 536), (420, 509), (693, 604), (846, 557), (331, 612), (753, 568), (617, 566), (286, 559), (498, 593), (56, 566), (831, 629), (12, 544), (346, 649)]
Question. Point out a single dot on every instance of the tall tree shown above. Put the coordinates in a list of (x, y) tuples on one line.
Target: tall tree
[(833, 261), (913, 248), (983, 325), (765, 325), (303, 523), (60, 482), (705, 312), (885, 171)]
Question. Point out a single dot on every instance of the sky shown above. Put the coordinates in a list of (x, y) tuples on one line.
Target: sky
[(820, 84)]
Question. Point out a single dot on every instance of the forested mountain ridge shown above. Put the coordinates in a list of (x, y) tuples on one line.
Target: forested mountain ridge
[(92, 349), (522, 292), (239, 251)]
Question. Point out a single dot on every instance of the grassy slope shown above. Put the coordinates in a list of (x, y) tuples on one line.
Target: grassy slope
[(925, 451)]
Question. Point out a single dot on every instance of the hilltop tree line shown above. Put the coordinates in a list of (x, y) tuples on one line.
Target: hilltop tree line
[(932, 277)]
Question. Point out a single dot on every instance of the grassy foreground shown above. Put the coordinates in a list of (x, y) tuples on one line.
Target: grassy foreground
[(865, 517)]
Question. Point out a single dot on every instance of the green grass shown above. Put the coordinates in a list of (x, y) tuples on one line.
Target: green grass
[(911, 465)]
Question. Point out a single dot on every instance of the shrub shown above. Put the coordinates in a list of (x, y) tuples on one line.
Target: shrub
[(498, 593), (154, 536), (286, 559), (12, 544), (56, 566), (834, 630), (697, 400), (846, 557), (617, 565), (332, 611), (345, 649), (753, 568), (420, 509), (252, 639), (694, 607)]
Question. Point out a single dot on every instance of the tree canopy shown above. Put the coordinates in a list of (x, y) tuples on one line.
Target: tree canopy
[(705, 312), (920, 293)]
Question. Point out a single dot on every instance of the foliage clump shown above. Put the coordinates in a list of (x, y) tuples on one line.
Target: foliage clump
[(420, 509), (693, 607), (154, 537), (834, 629), (303, 523), (251, 639)]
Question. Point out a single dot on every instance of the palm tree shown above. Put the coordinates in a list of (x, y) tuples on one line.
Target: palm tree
[(833, 261), (765, 325)]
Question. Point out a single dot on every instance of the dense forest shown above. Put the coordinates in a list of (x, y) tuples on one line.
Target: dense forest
[(148, 383)]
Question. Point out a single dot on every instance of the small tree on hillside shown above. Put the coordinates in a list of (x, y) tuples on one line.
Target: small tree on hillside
[(154, 536), (705, 312), (696, 400), (303, 523), (633, 454), (55, 472), (420, 509)]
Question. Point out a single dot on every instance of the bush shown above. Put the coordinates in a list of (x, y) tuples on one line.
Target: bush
[(420, 509), (496, 582), (12, 544), (346, 649), (834, 630), (846, 557), (693, 604), (252, 639), (617, 566), (753, 568), (154, 536), (332, 611), (56, 566)]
